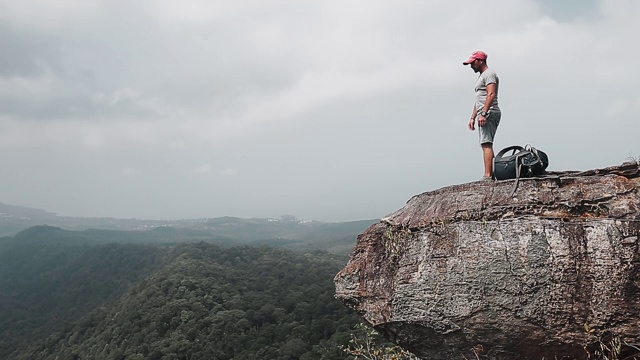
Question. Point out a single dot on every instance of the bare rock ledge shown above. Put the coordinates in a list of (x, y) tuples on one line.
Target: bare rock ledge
[(469, 270)]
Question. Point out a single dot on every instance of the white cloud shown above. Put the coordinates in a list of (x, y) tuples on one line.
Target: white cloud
[(616, 108), (202, 169), (128, 171), (230, 172)]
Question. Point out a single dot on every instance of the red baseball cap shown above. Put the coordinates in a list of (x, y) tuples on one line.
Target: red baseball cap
[(478, 55)]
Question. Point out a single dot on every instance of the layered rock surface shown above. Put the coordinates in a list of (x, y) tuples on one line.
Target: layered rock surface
[(472, 271)]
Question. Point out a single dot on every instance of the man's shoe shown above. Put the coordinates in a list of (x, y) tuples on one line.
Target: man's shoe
[(486, 178)]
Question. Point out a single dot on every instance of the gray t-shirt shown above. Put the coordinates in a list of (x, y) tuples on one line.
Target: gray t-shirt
[(487, 77)]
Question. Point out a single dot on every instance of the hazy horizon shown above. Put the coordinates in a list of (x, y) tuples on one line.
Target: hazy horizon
[(281, 217), (327, 110)]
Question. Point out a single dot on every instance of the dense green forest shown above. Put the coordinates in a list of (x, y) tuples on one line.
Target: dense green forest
[(68, 295)]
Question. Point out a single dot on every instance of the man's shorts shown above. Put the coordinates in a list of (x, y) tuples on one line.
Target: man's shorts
[(488, 131)]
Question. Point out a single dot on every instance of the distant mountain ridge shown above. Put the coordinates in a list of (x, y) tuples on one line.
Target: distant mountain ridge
[(335, 237), (23, 212)]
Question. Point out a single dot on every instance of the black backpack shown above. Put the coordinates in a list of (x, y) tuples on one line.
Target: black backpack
[(522, 162)]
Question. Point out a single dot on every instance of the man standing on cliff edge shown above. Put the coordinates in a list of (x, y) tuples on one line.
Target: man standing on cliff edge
[(485, 109)]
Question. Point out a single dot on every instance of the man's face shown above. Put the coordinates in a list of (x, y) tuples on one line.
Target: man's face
[(475, 65)]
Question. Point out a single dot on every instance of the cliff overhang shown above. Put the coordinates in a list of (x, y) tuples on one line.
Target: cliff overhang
[(472, 270)]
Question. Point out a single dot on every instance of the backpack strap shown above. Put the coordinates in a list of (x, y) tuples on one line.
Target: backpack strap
[(518, 168), (528, 150), (513, 148), (534, 159)]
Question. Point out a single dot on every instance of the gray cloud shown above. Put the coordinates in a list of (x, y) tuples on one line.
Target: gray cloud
[(326, 110)]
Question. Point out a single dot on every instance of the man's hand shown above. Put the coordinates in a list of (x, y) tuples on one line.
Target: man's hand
[(472, 124), (482, 120)]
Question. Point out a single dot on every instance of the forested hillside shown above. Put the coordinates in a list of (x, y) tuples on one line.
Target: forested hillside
[(44, 284), (78, 300)]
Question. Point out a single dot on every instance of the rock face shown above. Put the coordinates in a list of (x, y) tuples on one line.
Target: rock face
[(470, 271)]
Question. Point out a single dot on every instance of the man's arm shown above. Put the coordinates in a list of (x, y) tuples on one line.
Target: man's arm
[(472, 122), (491, 95)]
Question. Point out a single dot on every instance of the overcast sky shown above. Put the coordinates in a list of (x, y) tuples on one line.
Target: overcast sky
[(330, 110)]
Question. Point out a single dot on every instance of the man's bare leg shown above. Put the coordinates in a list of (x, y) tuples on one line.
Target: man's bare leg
[(487, 151)]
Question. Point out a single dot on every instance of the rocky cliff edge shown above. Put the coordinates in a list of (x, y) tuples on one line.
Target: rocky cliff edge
[(471, 271)]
